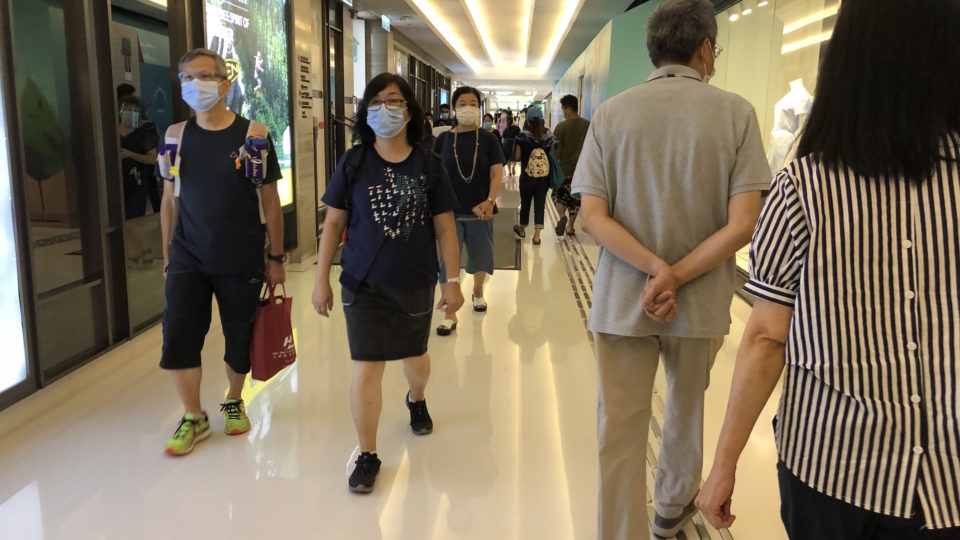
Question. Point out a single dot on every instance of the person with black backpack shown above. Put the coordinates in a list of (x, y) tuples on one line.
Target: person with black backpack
[(392, 197)]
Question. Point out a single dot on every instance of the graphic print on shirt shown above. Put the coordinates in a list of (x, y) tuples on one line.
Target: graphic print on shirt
[(400, 204)]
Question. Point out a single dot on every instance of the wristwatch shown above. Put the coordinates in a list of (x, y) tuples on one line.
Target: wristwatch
[(281, 258), (453, 279)]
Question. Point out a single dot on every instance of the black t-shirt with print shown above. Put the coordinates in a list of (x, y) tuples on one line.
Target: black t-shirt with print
[(219, 229), (390, 237), (489, 154), (136, 175)]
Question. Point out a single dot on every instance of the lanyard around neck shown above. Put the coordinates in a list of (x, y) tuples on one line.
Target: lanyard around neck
[(674, 75)]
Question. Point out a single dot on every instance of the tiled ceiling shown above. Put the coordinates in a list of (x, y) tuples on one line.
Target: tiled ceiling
[(522, 43)]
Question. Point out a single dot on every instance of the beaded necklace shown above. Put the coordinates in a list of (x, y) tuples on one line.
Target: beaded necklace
[(476, 152)]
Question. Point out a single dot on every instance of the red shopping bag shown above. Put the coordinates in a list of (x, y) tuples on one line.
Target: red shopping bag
[(272, 347)]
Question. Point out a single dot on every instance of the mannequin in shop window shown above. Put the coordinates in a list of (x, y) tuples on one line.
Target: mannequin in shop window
[(789, 115)]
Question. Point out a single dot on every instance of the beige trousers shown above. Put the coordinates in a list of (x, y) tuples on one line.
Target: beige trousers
[(627, 368)]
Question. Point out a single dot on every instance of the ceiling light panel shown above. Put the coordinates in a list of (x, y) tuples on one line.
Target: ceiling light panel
[(448, 20), (553, 20)]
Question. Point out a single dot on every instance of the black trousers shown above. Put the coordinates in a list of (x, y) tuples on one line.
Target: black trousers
[(533, 192), (810, 515)]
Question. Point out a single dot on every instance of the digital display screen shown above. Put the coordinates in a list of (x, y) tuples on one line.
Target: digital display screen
[(13, 362), (251, 35)]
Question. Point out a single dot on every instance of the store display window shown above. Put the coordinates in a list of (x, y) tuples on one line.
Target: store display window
[(772, 54)]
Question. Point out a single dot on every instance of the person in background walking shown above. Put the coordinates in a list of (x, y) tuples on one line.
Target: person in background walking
[(533, 148), (473, 160), (489, 125), (570, 135), (510, 133)]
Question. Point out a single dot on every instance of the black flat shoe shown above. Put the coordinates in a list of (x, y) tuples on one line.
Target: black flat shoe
[(561, 226), (517, 230)]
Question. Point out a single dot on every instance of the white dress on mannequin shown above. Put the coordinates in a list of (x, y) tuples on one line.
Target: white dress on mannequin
[(789, 114)]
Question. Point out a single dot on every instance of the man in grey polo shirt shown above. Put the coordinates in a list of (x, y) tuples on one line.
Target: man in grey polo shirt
[(671, 176)]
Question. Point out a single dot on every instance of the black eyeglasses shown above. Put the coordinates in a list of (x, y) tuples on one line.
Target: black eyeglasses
[(392, 104)]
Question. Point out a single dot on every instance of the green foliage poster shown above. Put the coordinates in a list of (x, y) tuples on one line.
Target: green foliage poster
[(251, 35)]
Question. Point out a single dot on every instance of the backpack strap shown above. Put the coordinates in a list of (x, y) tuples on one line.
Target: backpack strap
[(168, 160), (352, 164), (172, 142), (258, 131)]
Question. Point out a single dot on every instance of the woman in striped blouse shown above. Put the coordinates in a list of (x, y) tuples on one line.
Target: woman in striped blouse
[(855, 265)]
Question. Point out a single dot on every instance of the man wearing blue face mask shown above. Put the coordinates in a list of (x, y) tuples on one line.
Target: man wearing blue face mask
[(216, 247)]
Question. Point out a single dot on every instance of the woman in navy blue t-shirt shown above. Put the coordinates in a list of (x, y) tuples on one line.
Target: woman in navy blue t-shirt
[(473, 160), (394, 200)]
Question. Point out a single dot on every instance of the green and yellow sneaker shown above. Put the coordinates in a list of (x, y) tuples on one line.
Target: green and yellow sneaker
[(236, 418), (191, 431)]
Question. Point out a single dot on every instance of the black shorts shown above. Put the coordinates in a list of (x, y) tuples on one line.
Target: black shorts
[(387, 323), (187, 312)]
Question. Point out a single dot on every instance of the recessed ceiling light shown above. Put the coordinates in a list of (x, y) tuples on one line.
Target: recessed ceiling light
[(747, 12), (734, 17), (762, 3)]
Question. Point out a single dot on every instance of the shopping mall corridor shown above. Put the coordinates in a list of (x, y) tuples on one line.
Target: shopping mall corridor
[(514, 454)]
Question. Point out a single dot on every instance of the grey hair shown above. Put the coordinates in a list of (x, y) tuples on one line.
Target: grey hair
[(205, 53), (677, 28)]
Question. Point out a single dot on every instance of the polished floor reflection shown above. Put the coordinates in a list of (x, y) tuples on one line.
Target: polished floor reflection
[(513, 396)]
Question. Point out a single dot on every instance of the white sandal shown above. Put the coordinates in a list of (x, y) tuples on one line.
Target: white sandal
[(479, 304), (446, 327)]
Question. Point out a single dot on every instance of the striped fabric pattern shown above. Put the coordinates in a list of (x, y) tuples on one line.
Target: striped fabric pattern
[(871, 266)]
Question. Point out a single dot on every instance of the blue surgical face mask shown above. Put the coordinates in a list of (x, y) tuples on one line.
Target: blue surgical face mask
[(386, 122), (201, 96), (488, 125)]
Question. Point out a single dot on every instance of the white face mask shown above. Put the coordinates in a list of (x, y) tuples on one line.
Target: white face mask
[(468, 115), (201, 96)]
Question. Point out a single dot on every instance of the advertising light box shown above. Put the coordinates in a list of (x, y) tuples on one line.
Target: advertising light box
[(251, 35)]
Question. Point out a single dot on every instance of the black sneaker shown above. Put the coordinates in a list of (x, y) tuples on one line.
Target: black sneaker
[(365, 473), (420, 421)]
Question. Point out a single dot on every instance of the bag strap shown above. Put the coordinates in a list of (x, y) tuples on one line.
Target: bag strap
[(174, 136), (268, 292), (258, 131), (352, 164)]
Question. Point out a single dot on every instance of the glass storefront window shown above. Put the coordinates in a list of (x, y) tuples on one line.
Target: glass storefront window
[(13, 362), (772, 54), (61, 191), (140, 54)]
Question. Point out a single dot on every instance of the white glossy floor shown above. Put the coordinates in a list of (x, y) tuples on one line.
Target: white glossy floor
[(513, 396)]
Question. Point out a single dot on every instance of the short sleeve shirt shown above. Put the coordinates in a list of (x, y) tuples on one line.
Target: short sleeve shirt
[(390, 236), (570, 134), (667, 156), (474, 189), (219, 227)]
